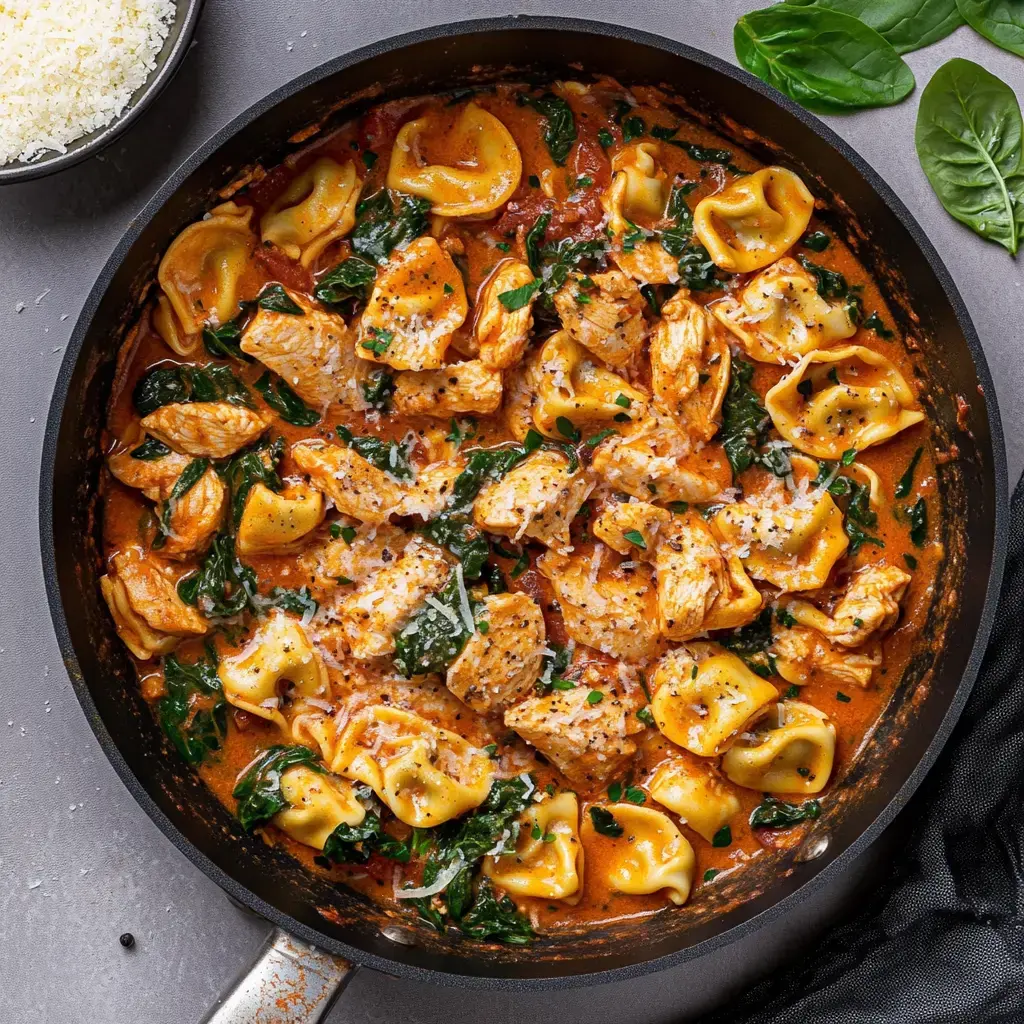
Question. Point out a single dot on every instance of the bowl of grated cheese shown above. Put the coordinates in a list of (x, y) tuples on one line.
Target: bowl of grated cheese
[(74, 74)]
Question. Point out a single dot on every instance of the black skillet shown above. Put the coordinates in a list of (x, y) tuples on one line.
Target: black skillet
[(928, 699)]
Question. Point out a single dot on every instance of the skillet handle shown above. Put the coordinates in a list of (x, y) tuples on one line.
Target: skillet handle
[(290, 982)]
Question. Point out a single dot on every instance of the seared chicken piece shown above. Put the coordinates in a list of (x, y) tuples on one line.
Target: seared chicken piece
[(328, 561), (313, 353), (384, 602), (432, 491), (803, 656), (154, 477), (691, 574), (143, 599), (587, 741), (212, 430), (870, 605), (614, 611), (459, 388), (196, 516), (609, 321), (496, 668), (356, 486), (538, 499), (502, 334), (617, 519)]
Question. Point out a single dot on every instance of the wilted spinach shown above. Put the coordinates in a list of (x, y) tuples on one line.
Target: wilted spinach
[(193, 713), (559, 124), (282, 399), (386, 221), (150, 450), (222, 585), (494, 917), (254, 465), (174, 384), (745, 424), (259, 790), (773, 813), (353, 844), (223, 342), (189, 477), (378, 389), (346, 283), (275, 299), (390, 456)]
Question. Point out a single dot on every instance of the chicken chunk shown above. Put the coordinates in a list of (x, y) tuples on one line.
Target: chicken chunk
[(496, 668), (502, 334), (803, 656), (539, 499), (154, 477), (459, 388), (691, 575), (356, 486), (587, 741), (313, 353), (143, 599), (384, 602), (196, 516), (329, 561), (212, 430), (432, 490), (614, 610), (870, 605), (638, 518), (610, 321)]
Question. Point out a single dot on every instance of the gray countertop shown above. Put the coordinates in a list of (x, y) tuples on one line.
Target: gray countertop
[(79, 860)]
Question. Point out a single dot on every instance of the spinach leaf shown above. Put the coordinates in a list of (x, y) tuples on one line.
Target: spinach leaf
[(275, 299), (918, 516), (773, 813), (906, 24), (877, 324), (745, 423), (386, 221), (905, 484), (752, 638), (968, 139), (259, 790), (697, 269), (827, 61), (348, 280), (493, 917), (559, 124), (831, 284), (390, 456), (222, 585), (999, 21), (353, 844), (174, 384), (298, 602), (674, 239), (280, 397), (378, 389), (245, 469), (604, 822), (194, 713), (858, 517), (189, 477), (559, 258), (150, 450), (534, 241), (223, 341), (816, 241), (435, 635)]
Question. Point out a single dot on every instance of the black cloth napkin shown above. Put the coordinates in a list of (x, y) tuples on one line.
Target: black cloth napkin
[(942, 939)]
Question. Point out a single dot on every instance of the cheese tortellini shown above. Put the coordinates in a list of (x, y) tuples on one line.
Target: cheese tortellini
[(277, 663), (201, 272), (651, 855), (704, 696), (481, 169), (426, 775), (755, 220), (645, 192), (318, 207), (317, 805), (645, 260), (780, 316), (839, 399), (790, 749), (276, 522), (547, 860), (695, 792)]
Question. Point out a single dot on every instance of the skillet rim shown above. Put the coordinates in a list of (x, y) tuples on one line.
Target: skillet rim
[(170, 187)]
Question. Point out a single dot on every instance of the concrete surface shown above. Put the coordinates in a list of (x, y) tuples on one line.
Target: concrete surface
[(79, 861)]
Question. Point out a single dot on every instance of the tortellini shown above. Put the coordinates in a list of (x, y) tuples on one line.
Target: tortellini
[(645, 260), (780, 316), (696, 793), (690, 364), (793, 546), (704, 696), (645, 193), (275, 522), (202, 270), (317, 805), (277, 663), (484, 167), (574, 386), (840, 399), (651, 855), (790, 749), (318, 207), (418, 302), (547, 861), (755, 220), (165, 323), (426, 775)]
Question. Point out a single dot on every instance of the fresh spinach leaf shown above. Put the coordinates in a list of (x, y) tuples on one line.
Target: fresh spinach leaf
[(254, 465), (353, 844), (559, 124), (150, 450), (390, 456), (773, 813), (435, 635), (348, 280), (999, 21), (259, 790), (222, 585), (494, 917), (906, 24), (283, 400), (968, 139), (276, 300), (825, 60), (387, 221), (193, 713), (604, 822)]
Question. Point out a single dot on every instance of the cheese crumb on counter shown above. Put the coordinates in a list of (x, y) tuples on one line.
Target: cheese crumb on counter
[(69, 67)]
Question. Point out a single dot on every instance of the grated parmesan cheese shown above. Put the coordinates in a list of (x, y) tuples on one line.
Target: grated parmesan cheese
[(69, 67)]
